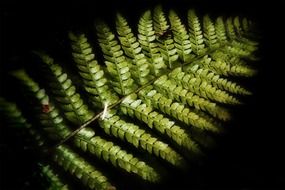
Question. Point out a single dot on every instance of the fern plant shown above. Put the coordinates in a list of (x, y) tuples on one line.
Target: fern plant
[(161, 92)]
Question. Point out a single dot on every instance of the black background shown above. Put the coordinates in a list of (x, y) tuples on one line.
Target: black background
[(251, 156)]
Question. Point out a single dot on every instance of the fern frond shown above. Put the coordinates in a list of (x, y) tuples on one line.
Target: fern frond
[(245, 25), (112, 153), (140, 68), (175, 109), (201, 87), (13, 116), (85, 138), (135, 108), (216, 80), (131, 133), (195, 33), (44, 117), (226, 68), (221, 30), (237, 26), (54, 181), (172, 90), (171, 78), (147, 37), (181, 37), (82, 170), (230, 29), (65, 93), (95, 81), (210, 33), (165, 41), (117, 65)]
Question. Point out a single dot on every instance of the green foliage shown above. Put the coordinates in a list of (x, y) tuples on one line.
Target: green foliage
[(95, 81), (54, 181), (165, 41), (195, 33), (65, 93), (209, 33), (117, 64), (147, 39), (135, 108), (181, 37), (162, 91), (140, 69), (79, 168), (221, 31), (116, 126)]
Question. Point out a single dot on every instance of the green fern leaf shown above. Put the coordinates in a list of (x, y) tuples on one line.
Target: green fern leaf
[(181, 37), (170, 89), (117, 65), (54, 181), (116, 126), (221, 31), (195, 33), (65, 93), (95, 81), (175, 109), (147, 39), (76, 166), (166, 44), (140, 69), (157, 121), (209, 33)]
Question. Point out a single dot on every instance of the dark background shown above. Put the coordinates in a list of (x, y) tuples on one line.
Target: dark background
[(250, 156)]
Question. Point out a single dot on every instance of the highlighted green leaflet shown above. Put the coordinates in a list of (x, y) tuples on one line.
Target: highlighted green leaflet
[(65, 93), (165, 41), (112, 153), (82, 170), (95, 81), (175, 109), (117, 65), (201, 87), (209, 33), (135, 108), (54, 181), (181, 37), (136, 136), (41, 99), (195, 33), (140, 68), (172, 90), (146, 37)]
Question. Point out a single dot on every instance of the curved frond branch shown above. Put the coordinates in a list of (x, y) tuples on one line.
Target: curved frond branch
[(181, 38), (211, 39), (65, 93), (174, 91), (117, 64), (164, 37), (139, 138), (80, 169), (221, 30), (147, 40), (175, 109), (195, 33), (113, 154), (201, 87), (140, 66), (95, 81), (54, 181), (135, 108), (217, 81)]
